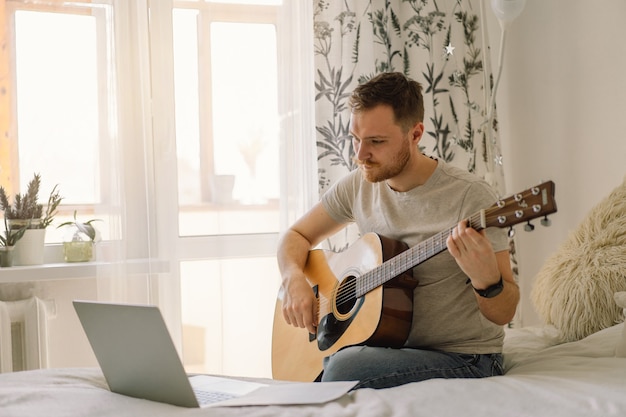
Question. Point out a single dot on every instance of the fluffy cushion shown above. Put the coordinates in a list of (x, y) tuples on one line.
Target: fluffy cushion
[(620, 349), (574, 288)]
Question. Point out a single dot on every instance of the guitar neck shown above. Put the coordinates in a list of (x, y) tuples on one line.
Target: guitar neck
[(412, 257)]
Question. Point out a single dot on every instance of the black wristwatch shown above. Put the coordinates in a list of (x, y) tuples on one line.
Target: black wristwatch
[(491, 291)]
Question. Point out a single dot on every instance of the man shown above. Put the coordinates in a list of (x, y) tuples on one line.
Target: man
[(400, 193)]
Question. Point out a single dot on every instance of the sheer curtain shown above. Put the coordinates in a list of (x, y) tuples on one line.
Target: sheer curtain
[(222, 285), (148, 257), (133, 261)]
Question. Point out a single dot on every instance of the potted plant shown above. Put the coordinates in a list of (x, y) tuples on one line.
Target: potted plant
[(27, 212), (80, 241), (7, 244)]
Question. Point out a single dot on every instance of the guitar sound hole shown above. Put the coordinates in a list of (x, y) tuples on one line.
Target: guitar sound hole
[(346, 295)]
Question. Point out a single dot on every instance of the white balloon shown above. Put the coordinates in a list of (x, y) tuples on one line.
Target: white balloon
[(507, 10)]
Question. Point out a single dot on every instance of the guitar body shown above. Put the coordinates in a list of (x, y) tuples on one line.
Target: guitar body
[(381, 317)]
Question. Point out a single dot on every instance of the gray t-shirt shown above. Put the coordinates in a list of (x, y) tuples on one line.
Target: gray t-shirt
[(445, 311)]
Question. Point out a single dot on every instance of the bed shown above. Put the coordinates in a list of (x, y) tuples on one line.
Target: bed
[(544, 377)]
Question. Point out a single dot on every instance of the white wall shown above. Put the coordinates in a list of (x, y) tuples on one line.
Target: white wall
[(562, 109)]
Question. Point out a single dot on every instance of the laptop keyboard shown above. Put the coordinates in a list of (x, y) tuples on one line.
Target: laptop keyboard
[(209, 397)]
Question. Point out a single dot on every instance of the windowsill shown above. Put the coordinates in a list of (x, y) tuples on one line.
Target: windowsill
[(59, 271)]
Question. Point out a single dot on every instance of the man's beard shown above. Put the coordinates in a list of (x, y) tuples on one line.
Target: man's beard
[(394, 167)]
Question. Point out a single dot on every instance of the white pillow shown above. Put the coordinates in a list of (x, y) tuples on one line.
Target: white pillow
[(620, 349), (575, 286)]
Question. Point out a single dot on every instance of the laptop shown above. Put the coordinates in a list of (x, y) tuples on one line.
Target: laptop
[(138, 358)]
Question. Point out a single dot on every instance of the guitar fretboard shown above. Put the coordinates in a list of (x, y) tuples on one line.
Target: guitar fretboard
[(410, 258)]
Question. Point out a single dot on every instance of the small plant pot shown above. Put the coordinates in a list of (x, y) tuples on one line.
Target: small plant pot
[(29, 250), (78, 251), (6, 256)]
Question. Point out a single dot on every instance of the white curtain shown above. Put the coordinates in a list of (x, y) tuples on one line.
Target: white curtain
[(144, 186), (128, 203)]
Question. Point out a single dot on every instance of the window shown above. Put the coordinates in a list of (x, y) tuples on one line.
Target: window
[(227, 134), (61, 99)]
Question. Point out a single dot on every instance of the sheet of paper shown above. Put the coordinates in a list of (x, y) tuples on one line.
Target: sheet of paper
[(295, 393), (231, 386)]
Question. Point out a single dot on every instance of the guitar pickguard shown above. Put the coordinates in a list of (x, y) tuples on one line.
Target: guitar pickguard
[(330, 328)]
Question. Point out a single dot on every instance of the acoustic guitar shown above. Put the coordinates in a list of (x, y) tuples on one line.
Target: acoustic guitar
[(365, 293)]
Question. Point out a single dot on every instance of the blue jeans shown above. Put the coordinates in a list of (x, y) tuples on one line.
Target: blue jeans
[(379, 367)]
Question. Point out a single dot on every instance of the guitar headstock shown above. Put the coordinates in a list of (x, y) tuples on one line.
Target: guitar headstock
[(537, 201)]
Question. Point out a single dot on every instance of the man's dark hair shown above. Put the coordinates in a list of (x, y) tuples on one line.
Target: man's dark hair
[(394, 89)]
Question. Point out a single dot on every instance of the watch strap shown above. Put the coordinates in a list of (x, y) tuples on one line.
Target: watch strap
[(492, 290)]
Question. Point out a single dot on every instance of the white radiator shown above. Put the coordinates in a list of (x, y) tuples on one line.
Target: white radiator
[(24, 334)]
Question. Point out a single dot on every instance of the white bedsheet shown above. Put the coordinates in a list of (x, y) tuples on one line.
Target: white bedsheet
[(582, 378)]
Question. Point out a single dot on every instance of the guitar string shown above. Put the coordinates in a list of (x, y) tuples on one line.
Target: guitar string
[(374, 277)]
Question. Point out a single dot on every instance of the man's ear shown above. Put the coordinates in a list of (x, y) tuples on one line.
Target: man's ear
[(417, 131)]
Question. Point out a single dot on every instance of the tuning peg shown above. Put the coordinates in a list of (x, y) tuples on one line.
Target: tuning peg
[(529, 227), (546, 222), (511, 232)]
